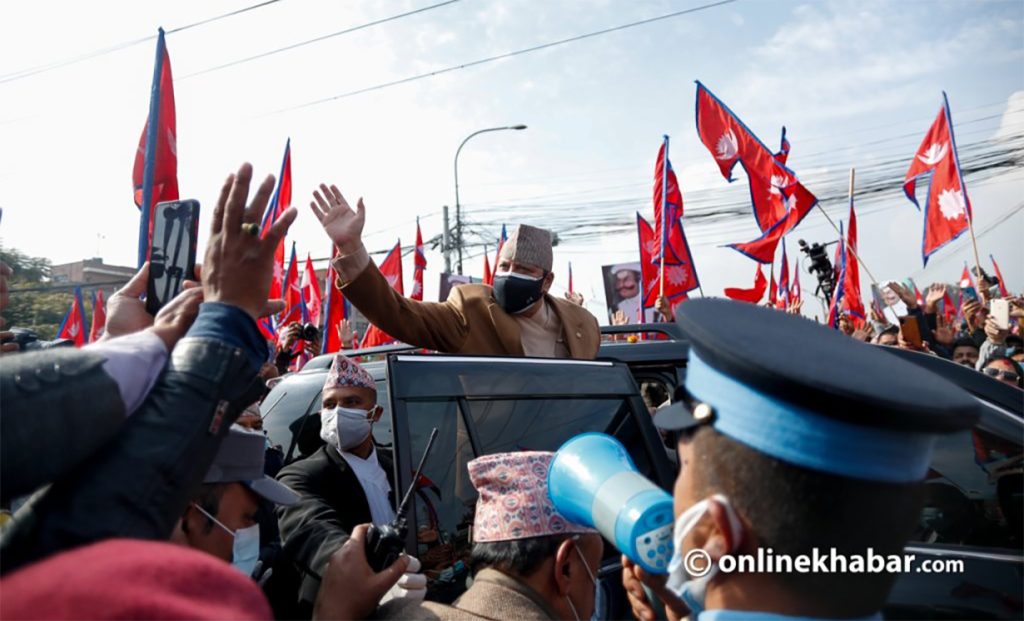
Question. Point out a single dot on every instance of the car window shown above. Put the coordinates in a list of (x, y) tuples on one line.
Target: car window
[(973, 491), (445, 499)]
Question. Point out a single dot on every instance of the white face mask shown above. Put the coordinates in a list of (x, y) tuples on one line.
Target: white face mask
[(593, 578), (345, 428), (245, 552), (693, 590)]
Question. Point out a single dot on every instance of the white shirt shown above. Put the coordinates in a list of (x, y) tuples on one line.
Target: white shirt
[(134, 362), (375, 485), (631, 307)]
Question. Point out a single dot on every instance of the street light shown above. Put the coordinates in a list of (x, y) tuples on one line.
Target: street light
[(458, 207)]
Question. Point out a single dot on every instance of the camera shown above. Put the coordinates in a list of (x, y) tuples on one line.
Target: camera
[(821, 267), (28, 340), (309, 332)]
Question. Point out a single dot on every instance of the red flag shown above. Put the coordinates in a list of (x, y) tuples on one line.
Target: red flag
[(835, 308), (497, 256), (798, 200), (1003, 291), (391, 269), (334, 310), (773, 291), (280, 202), (783, 301), (965, 278), (680, 274), (419, 263), (488, 274), (795, 295), (753, 295), (852, 301), (917, 292), (73, 326), (668, 200), (947, 207), (950, 309), (570, 277), (155, 174), (311, 292), (99, 316), (292, 293), (730, 142)]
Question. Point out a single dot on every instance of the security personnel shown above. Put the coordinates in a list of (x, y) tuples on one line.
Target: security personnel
[(515, 317), (793, 438)]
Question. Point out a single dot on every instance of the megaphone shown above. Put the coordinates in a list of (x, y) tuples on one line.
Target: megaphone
[(593, 481)]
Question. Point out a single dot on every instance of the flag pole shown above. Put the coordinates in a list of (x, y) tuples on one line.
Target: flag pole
[(664, 219), (845, 241), (963, 187)]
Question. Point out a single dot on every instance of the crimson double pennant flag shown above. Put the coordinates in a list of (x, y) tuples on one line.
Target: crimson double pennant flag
[(99, 316), (754, 294), (852, 301), (73, 326), (311, 294), (419, 263), (279, 202), (391, 269), (680, 275), (334, 310), (291, 293), (491, 270), (783, 301), (773, 289), (947, 209), (779, 200), (155, 174), (570, 278), (795, 295), (1003, 291)]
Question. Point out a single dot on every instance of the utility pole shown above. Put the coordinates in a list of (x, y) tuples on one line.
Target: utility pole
[(446, 243)]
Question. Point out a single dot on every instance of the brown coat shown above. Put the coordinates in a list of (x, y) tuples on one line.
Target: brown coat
[(469, 322), (493, 597)]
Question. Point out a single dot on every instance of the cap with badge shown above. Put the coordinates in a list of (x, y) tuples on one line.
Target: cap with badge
[(240, 460), (811, 396)]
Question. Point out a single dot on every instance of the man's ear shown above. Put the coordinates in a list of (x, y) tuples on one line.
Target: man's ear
[(561, 569), (378, 411), (548, 280), (719, 539)]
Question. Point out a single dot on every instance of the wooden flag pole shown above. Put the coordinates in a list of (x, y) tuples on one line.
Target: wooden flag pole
[(845, 242), (974, 240)]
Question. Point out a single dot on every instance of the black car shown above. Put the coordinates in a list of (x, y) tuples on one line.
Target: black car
[(484, 405)]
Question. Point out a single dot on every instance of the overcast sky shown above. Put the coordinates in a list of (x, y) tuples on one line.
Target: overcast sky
[(856, 84)]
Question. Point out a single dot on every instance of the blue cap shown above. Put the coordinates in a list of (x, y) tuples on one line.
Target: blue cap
[(810, 396)]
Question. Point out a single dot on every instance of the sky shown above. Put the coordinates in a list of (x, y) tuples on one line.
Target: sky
[(855, 83)]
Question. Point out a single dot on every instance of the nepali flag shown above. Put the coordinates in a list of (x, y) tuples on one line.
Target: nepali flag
[(668, 200), (852, 301), (731, 142), (680, 274), (783, 301), (488, 274), (917, 292), (311, 293), (489, 278), (73, 326), (798, 202), (947, 210), (835, 308), (279, 203), (391, 269), (795, 295), (292, 294), (1003, 291), (99, 316), (753, 295), (334, 310), (773, 289), (570, 277), (966, 280), (155, 174), (419, 263)]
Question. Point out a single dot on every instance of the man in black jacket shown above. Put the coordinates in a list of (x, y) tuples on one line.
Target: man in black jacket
[(346, 482)]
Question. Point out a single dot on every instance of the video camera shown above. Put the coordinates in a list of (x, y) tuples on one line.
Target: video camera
[(309, 332), (821, 267)]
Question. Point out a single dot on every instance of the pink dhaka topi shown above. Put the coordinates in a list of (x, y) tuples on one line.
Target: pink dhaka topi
[(345, 372)]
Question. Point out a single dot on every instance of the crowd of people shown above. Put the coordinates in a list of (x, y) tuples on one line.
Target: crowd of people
[(139, 483)]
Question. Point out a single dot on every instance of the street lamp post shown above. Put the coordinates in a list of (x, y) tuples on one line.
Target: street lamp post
[(458, 207)]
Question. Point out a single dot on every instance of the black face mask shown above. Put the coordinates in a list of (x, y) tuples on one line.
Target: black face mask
[(516, 292)]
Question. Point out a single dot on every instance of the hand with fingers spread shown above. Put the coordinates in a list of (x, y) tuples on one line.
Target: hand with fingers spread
[(864, 333), (904, 294), (239, 264), (341, 223), (575, 297), (936, 292), (943, 332), (346, 335)]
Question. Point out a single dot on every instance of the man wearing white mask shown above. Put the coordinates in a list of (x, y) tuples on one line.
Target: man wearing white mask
[(344, 483), (221, 519)]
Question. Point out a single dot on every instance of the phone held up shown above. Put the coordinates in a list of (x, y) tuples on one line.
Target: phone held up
[(172, 254), (910, 330), (999, 310)]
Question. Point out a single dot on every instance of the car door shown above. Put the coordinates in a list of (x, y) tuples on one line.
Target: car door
[(486, 405)]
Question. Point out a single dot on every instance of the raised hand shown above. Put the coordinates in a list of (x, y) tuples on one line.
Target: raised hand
[(936, 292), (905, 294), (341, 223), (663, 306), (239, 265), (864, 333), (575, 297), (944, 333)]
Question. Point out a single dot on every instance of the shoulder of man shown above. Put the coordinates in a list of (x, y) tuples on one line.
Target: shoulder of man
[(472, 293), (311, 466)]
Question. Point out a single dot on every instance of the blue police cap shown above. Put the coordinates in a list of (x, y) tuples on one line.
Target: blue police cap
[(240, 460), (811, 396)]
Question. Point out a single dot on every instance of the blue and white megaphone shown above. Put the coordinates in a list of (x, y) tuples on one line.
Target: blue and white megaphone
[(593, 481)]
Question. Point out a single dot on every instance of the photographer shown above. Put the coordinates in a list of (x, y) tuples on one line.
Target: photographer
[(286, 350)]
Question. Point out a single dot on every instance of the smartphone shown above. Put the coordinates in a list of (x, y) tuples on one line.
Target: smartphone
[(911, 331), (999, 310), (970, 293), (172, 255)]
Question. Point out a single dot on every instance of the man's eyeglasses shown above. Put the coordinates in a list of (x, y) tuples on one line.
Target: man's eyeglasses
[(1009, 376)]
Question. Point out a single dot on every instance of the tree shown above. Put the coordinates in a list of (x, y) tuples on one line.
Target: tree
[(41, 309)]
